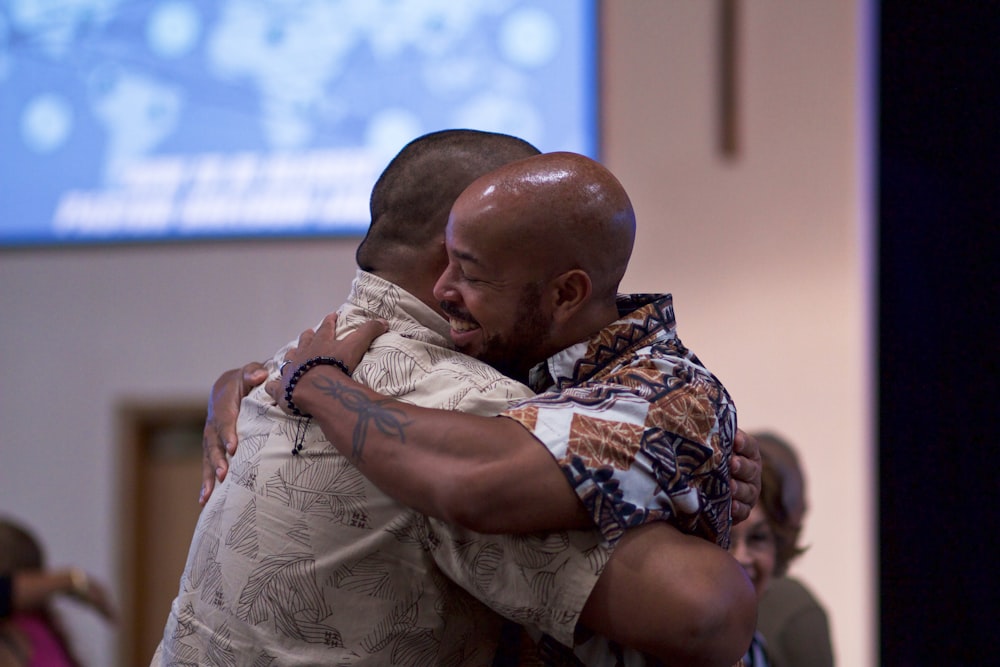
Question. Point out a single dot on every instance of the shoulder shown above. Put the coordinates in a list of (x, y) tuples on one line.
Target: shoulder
[(430, 375), (789, 594), (793, 619)]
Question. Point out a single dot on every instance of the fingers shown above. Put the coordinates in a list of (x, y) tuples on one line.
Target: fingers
[(353, 347), (739, 511), (744, 469), (323, 343), (328, 325), (744, 497), (213, 460), (306, 338), (219, 436), (745, 464), (225, 423), (276, 390), (89, 591), (207, 480), (101, 602), (252, 375), (746, 445), (371, 330), (214, 465), (736, 467)]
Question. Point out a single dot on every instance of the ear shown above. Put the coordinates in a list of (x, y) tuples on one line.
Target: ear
[(571, 293)]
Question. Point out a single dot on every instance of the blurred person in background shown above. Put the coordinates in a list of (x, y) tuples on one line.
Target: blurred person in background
[(790, 617), (31, 632), (792, 628)]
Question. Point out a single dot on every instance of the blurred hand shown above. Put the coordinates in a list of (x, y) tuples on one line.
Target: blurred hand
[(744, 470), (92, 593), (34, 589), (219, 436)]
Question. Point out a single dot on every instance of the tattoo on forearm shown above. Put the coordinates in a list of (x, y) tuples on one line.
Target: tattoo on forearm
[(388, 420)]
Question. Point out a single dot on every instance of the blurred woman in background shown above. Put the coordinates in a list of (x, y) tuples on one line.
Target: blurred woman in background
[(793, 631), (31, 634)]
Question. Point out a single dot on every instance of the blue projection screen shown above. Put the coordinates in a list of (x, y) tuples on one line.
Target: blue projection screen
[(180, 119)]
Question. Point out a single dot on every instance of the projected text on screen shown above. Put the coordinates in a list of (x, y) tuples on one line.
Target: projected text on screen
[(176, 119)]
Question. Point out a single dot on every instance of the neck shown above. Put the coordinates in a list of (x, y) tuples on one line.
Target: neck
[(588, 323)]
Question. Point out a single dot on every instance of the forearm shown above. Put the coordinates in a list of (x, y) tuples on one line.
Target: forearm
[(34, 589), (483, 473), (677, 597)]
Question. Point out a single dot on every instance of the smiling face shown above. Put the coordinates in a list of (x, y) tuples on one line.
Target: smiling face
[(753, 545), (536, 250), (492, 295)]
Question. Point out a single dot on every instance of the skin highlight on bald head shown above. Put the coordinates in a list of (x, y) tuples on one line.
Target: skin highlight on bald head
[(565, 209)]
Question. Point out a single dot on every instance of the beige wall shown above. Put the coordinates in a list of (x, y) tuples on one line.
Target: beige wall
[(765, 256)]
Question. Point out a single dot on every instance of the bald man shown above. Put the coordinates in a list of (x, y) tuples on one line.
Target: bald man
[(629, 416)]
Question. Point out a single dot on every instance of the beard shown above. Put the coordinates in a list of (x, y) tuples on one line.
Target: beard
[(514, 353)]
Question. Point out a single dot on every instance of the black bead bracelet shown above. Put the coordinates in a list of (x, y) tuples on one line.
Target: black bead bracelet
[(302, 370)]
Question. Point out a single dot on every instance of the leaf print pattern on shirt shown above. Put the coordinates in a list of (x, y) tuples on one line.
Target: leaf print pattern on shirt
[(369, 576), (220, 650), (242, 536), (321, 484), (283, 591)]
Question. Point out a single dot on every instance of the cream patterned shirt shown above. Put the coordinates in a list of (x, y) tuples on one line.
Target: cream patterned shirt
[(300, 560)]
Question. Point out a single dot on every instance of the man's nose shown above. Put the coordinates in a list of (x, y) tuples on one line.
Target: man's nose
[(442, 288)]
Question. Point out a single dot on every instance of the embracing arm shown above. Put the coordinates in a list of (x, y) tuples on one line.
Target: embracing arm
[(672, 595), (677, 597), (486, 474)]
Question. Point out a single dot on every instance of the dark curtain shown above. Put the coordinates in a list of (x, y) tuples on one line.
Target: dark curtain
[(938, 337)]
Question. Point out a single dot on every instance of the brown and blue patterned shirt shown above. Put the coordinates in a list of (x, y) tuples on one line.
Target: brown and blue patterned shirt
[(641, 428)]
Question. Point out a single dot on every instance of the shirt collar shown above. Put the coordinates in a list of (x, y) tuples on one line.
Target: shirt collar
[(406, 314), (642, 319)]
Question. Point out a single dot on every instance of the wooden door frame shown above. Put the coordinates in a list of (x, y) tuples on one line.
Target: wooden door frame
[(137, 421)]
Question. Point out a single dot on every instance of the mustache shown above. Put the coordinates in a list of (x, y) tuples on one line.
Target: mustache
[(454, 311)]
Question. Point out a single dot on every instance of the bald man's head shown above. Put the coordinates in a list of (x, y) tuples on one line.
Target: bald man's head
[(536, 250), (561, 210)]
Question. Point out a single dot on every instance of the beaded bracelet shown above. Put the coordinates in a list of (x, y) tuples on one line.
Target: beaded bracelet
[(302, 370)]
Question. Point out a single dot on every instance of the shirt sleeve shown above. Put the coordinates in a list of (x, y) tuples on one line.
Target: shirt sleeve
[(540, 581), (650, 441)]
